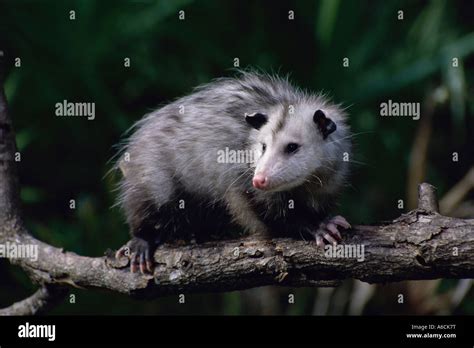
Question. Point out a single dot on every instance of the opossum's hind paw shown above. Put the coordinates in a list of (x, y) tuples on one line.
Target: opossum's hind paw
[(328, 231), (139, 251)]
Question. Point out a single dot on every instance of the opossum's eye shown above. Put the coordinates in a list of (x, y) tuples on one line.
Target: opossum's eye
[(325, 124), (264, 147), (291, 147), (256, 120)]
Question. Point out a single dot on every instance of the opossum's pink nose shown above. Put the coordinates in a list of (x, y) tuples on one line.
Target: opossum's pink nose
[(260, 181)]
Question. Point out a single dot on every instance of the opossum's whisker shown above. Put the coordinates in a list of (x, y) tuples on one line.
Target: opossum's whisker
[(357, 162), (233, 182), (319, 179), (328, 168), (348, 137)]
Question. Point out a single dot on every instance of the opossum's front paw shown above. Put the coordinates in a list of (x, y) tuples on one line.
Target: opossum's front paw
[(328, 231), (139, 252)]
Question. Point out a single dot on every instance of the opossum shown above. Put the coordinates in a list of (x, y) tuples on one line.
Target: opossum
[(175, 174)]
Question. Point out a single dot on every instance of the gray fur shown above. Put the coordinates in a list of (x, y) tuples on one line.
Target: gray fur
[(173, 155)]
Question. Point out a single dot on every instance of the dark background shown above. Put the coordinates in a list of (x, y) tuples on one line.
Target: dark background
[(82, 60)]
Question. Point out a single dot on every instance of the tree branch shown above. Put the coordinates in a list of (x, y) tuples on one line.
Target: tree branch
[(40, 302), (419, 245), (9, 189)]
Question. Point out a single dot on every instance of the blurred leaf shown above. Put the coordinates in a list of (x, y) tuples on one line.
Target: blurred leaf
[(380, 80), (453, 78), (31, 194), (24, 138), (326, 21)]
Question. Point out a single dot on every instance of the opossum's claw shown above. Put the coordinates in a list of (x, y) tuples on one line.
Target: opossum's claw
[(340, 221), (332, 228), (119, 253), (328, 231), (134, 263), (139, 252), (319, 240)]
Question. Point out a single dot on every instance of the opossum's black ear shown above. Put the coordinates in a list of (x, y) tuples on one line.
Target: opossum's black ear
[(256, 120), (325, 124)]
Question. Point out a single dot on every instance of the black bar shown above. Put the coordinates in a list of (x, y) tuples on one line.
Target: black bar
[(158, 330)]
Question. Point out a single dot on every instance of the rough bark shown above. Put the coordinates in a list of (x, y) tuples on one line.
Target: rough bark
[(419, 245), (40, 302)]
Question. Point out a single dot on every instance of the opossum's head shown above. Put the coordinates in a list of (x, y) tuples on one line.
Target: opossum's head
[(298, 145)]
